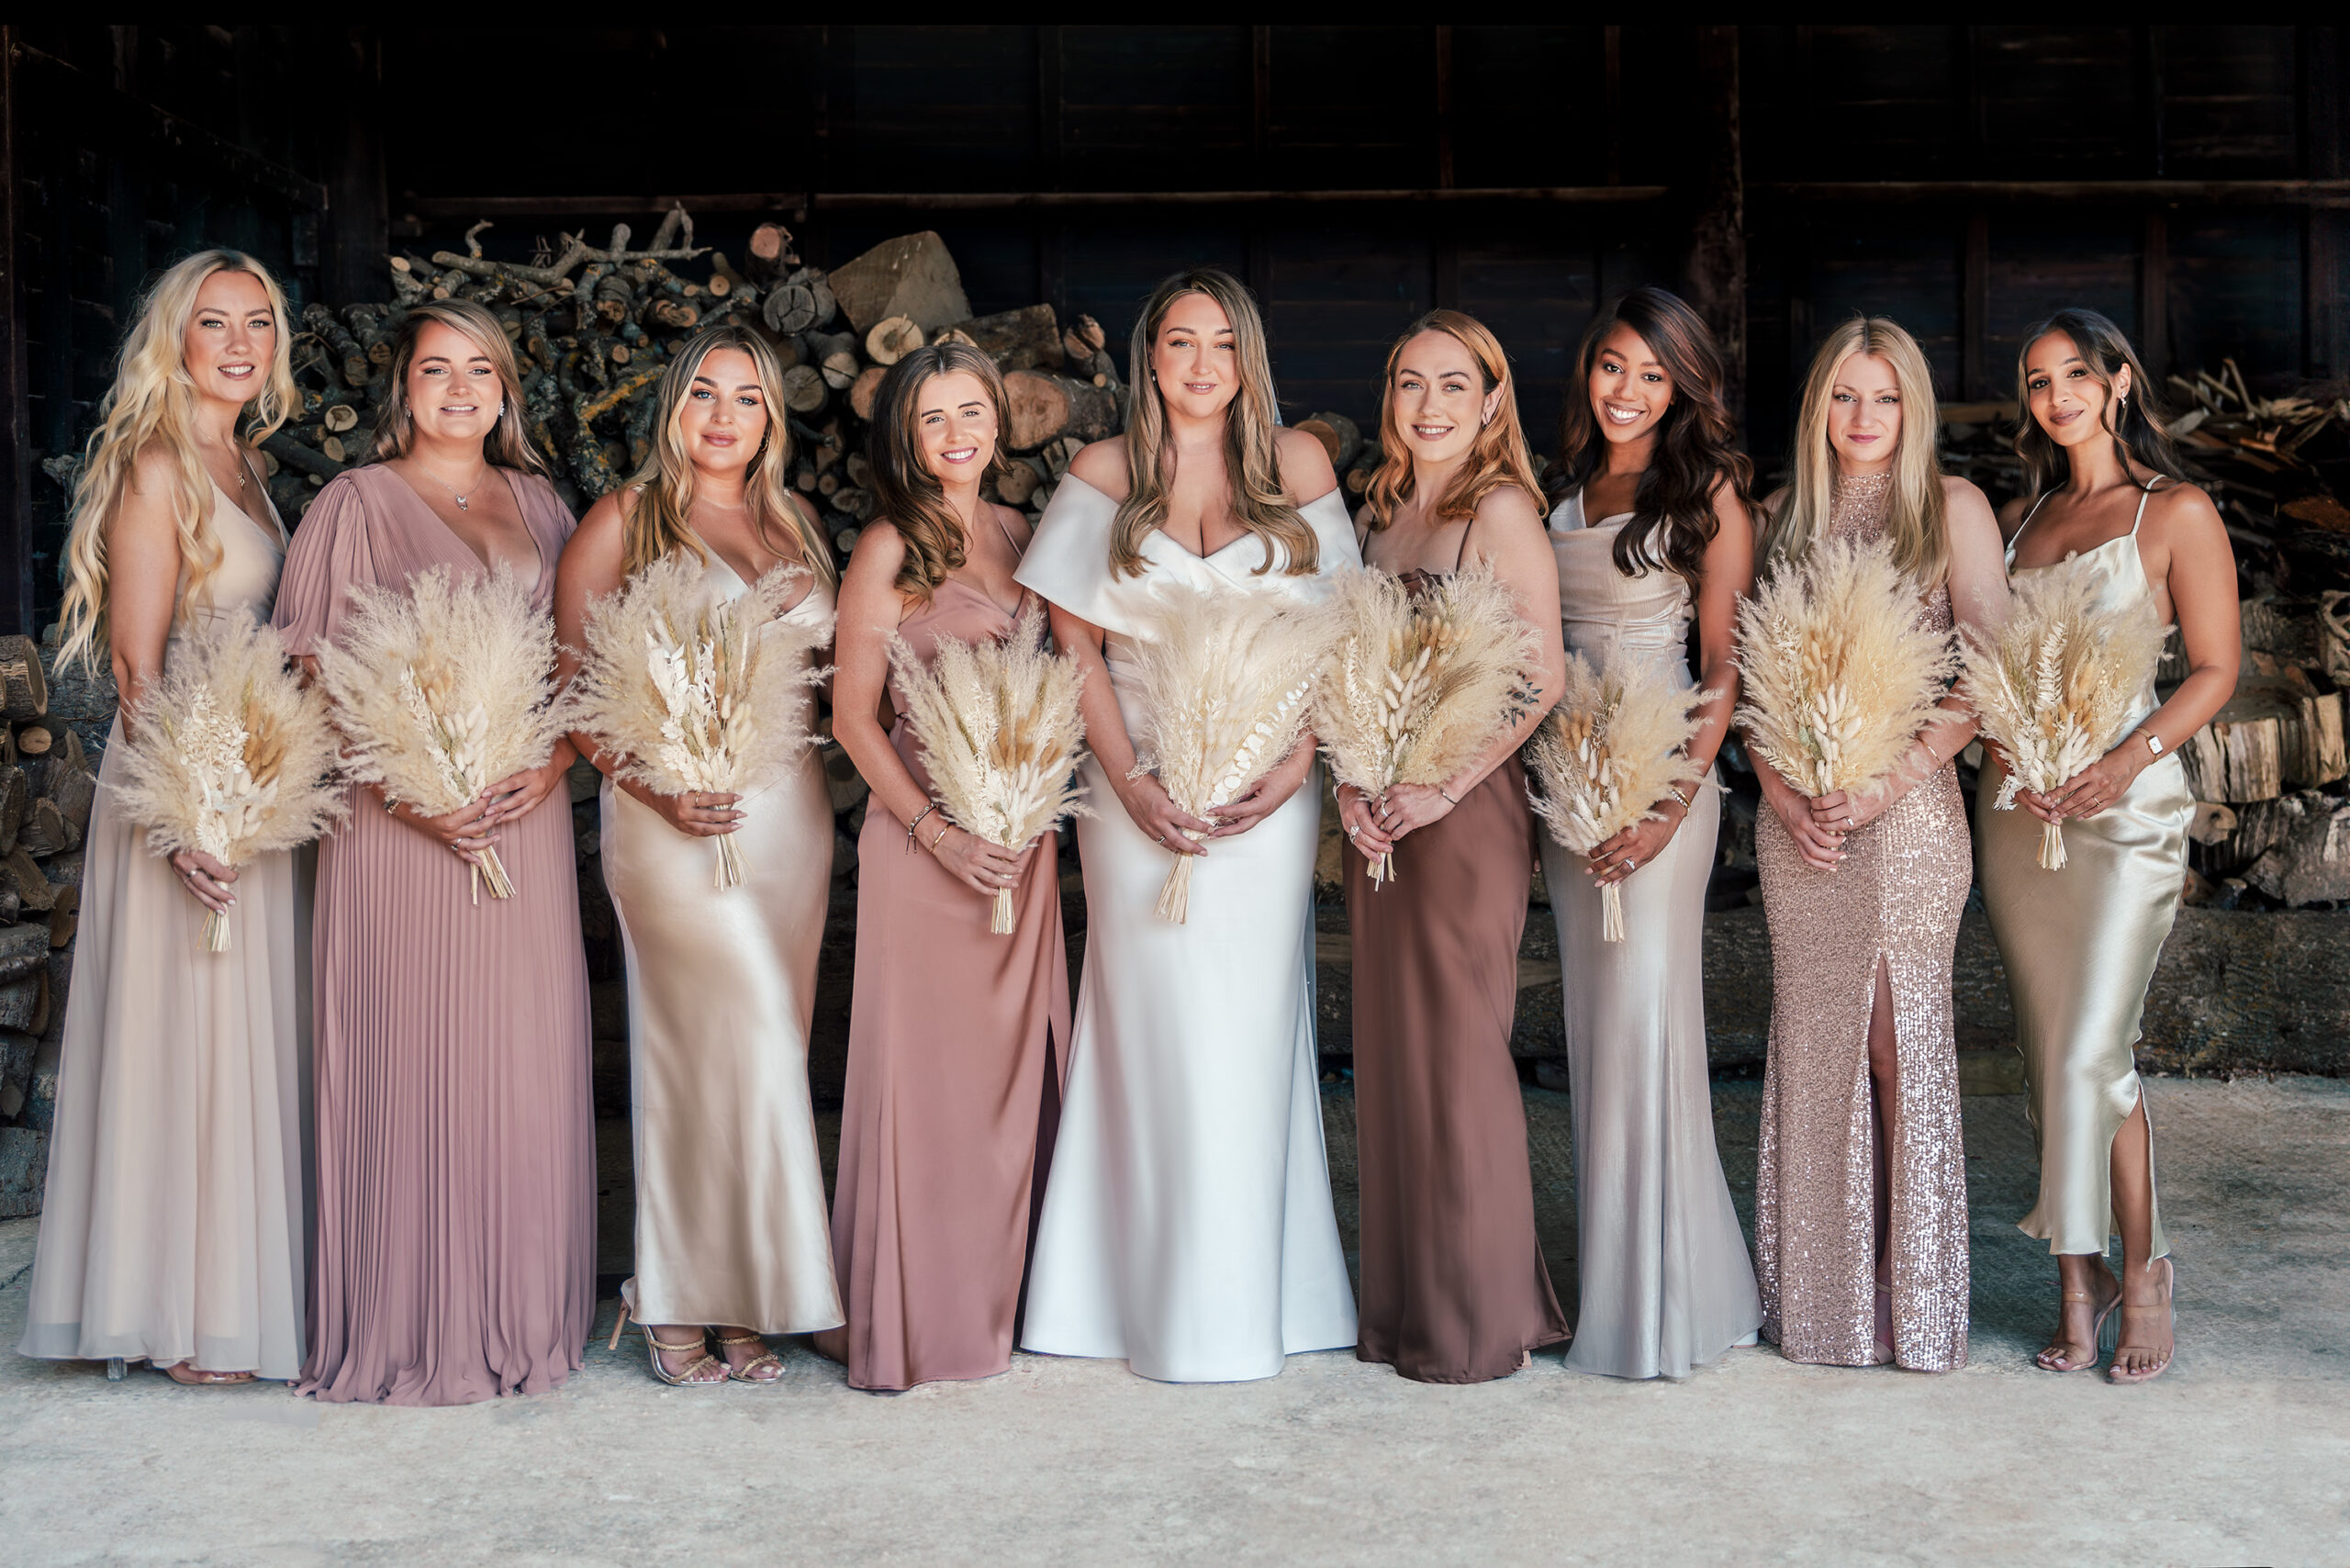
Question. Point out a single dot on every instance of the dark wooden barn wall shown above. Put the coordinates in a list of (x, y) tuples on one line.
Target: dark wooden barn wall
[(1963, 179)]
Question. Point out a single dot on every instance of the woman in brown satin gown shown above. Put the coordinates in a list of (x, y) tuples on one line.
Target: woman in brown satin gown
[(953, 1031), (1860, 1209), (1453, 1284), (455, 1240)]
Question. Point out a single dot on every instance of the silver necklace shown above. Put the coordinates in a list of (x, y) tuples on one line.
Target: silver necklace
[(463, 498)]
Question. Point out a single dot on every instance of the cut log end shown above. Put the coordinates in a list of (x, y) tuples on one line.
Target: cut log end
[(891, 340)]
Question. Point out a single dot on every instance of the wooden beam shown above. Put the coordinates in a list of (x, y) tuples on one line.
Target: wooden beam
[(1553, 196), (1714, 270), (1444, 109), (359, 219), (467, 208), (16, 380), (1260, 91), (2153, 293), (1975, 308), (2326, 154), (2123, 192), (1613, 44)]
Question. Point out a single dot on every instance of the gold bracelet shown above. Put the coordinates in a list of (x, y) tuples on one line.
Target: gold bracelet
[(1448, 800), (1686, 803), (945, 828)]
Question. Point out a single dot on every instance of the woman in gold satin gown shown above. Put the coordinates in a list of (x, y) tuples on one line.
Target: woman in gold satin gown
[(731, 1237), (2080, 943), (1453, 1284), (1653, 530), (1860, 1205)]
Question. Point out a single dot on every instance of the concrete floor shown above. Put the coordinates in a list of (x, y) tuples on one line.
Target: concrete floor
[(2240, 1454)]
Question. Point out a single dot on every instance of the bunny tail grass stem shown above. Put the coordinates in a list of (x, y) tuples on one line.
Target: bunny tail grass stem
[(1383, 870), (216, 931), (2051, 846), (490, 870), (1006, 918), (1175, 893), (730, 864), (1611, 913)]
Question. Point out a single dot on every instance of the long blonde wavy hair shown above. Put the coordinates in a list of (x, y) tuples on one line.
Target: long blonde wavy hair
[(153, 401), (1913, 521), (1499, 458), (1250, 421), (656, 525), (509, 443)]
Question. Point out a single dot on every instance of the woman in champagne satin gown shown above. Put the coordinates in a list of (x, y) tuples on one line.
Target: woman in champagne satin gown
[(1188, 1226), (1860, 1208), (455, 1238), (730, 1238), (174, 1226), (1666, 1283), (1453, 1284), (2080, 943), (953, 1030)]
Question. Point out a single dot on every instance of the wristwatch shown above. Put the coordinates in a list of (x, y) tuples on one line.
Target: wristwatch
[(2153, 742)]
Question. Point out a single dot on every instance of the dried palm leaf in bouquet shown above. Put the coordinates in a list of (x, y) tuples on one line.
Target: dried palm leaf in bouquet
[(1226, 679), (444, 690), (228, 756), (1415, 687), (1609, 753), (2055, 687), (698, 691), (1838, 670), (1000, 737)]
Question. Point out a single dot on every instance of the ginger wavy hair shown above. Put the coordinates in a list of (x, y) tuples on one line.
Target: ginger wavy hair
[(1250, 422), (909, 495), (2139, 433), (1913, 521), (153, 401), (509, 443), (654, 522), (1497, 460), (1673, 507)]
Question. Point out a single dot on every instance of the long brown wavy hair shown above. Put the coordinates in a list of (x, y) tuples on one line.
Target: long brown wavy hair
[(2137, 430), (908, 494), (656, 522), (1498, 459), (508, 444), (1250, 423), (1672, 508)]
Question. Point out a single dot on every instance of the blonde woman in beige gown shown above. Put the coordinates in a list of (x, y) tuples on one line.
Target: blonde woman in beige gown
[(173, 1231), (730, 1238), (2080, 943), (1859, 1207)]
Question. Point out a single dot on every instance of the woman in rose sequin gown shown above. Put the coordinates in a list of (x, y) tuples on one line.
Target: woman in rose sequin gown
[(1860, 1208)]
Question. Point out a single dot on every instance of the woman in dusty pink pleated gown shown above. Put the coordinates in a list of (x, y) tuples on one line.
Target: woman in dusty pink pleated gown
[(455, 1240), (953, 1031)]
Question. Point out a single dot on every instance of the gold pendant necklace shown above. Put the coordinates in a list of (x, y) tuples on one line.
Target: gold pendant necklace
[(463, 498)]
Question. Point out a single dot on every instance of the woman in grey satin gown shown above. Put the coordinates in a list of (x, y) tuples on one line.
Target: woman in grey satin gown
[(2080, 943), (1648, 537)]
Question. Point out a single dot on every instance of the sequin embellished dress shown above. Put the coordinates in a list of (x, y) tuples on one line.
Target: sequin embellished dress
[(1896, 899)]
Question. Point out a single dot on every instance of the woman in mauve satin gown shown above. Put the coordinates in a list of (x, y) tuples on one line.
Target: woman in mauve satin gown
[(1188, 1226), (2105, 500), (1454, 1286), (721, 981), (455, 1255), (1652, 529), (953, 1030), (173, 1228), (1860, 1203)]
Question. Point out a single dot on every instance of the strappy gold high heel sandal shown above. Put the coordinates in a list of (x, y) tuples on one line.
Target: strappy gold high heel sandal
[(766, 1358), (2103, 1330), (688, 1376)]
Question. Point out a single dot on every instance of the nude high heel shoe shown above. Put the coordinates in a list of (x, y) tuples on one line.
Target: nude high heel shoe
[(2103, 1330), (2115, 1373)]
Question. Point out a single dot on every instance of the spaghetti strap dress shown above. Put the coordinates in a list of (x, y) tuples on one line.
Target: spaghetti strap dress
[(2080, 945), (174, 1229), (1454, 1289), (952, 1035)]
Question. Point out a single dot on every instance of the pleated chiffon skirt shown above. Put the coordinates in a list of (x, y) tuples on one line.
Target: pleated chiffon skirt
[(456, 1256)]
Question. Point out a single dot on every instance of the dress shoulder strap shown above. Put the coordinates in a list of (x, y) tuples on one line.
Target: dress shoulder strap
[(2144, 492)]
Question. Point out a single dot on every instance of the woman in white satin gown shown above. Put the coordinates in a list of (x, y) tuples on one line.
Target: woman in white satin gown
[(1187, 1223), (732, 1240)]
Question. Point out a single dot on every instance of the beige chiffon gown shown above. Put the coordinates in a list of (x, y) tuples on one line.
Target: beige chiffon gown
[(1454, 1289), (1666, 1283), (2080, 945), (1894, 901), (173, 1227), (455, 1240), (721, 982), (954, 1036)]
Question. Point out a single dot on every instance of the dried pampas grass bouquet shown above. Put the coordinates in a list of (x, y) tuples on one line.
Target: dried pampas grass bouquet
[(2055, 686), (1609, 753), (698, 691), (1224, 680), (228, 756), (1838, 669), (1413, 689), (444, 690), (1000, 737)]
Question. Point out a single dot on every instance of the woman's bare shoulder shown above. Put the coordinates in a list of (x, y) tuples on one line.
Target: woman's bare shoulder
[(1103, 464)]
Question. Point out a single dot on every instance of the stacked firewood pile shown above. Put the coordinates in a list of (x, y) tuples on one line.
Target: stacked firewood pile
[(2272, 823), (595, 326), (48, 785)]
